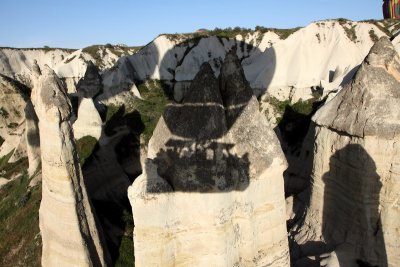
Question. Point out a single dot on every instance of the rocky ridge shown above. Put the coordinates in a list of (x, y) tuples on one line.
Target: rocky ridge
[(67, 222), (209, 164), (352, 213)]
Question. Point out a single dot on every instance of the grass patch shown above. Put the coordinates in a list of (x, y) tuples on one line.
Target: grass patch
[(388, 26), (19, 219), (111, 110), (152, 106), (97, 52), (300, 107), (85, 147), (8, 169), (4, 160), (231, 33), (141, 115), (294, 119), (126, 251)]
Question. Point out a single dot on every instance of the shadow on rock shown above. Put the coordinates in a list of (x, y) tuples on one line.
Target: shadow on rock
[(196, 153), (351, 215)]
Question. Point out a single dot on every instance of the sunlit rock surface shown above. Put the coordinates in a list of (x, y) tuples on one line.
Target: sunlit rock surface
[(212, 190), (354, 209), (67, 223)]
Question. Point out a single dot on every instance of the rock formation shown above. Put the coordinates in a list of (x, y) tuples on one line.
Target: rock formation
[(212, 190), (13, 99), (32, 138), (354, 209), (67, 223), (89, 121)]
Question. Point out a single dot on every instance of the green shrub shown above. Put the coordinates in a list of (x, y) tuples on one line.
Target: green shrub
[(300, 107), (4, 160), (9, 169), (85, 147), (19, 219), (152, 106), (126, 255), (111, 110)]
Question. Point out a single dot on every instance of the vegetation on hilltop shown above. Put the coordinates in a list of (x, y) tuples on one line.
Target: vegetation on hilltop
[(97, 52), (151, 108), (349, 29), (232, 33), (388, 26), (45, 49), (19, 216)]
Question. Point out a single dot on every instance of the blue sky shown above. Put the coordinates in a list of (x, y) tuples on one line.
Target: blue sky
[(79, 23)]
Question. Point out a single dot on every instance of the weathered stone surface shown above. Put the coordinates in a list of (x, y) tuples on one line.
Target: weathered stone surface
[(13, 99), (354, 209), (67, 223), (89, 121), (212, 189), (369, 107)]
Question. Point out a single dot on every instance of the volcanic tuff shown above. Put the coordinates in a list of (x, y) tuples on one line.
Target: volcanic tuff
[(213, 150), (67, 223), (13, 99), (212, 190), (354, 209)]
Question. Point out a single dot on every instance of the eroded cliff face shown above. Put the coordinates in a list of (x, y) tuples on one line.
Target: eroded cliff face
[(13, 99), (67, 223), (212, 189), (354, 208)]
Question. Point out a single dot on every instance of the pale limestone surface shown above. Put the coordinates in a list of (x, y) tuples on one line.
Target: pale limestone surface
[(211, 193), (67, 223), (309, 57), (13, 100), (354, 208), (89, 121)]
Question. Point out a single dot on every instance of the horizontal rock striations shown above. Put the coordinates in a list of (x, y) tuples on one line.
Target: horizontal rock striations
[(67, 223), (354, 209), (212, 189)]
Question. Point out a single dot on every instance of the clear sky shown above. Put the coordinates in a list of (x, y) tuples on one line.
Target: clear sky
[(80, 23)]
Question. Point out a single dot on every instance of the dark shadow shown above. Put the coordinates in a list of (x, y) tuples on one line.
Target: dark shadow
[(110, 170), (206, 168), (195, 159), (113, 164), (32, 135), (293, 131), (349, 76), (351, 214), (198, 125)]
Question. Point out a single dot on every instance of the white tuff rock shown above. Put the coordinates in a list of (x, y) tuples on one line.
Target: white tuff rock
[(354, 208), (67, 223), (212, 190)]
